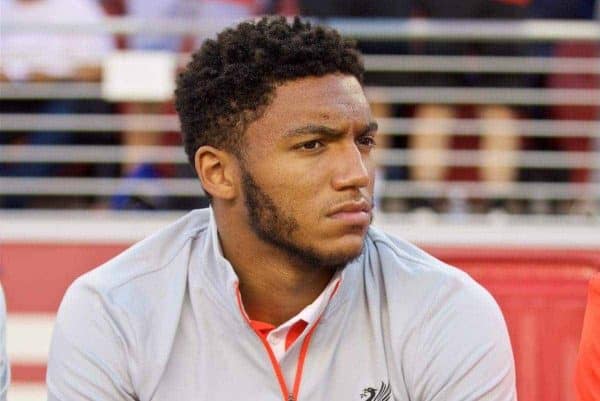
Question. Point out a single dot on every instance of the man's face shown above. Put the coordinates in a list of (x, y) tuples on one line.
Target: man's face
[(307, 174)]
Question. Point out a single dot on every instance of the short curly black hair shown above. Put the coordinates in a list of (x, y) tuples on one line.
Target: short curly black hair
[(230, 80)]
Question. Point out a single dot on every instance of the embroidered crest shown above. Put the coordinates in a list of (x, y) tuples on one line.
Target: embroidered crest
[(383, 394)]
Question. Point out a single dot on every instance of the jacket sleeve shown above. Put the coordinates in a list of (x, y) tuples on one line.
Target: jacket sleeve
[(89, 357), (463, 351)]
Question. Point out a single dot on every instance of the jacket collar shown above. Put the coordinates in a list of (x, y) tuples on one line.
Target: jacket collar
[(213, 272)]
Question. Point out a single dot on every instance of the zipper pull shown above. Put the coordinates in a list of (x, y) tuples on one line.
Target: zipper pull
[(291, 398)]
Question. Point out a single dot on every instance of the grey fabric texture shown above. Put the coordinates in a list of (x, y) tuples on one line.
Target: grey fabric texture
[(161, 322)]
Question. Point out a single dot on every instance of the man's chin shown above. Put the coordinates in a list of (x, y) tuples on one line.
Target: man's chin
[(343, 257)]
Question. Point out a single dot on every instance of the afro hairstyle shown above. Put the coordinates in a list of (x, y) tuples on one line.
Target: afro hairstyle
[(229, 81)]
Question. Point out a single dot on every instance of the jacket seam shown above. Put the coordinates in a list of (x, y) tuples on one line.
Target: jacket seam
[(162, 266), (190, 236)]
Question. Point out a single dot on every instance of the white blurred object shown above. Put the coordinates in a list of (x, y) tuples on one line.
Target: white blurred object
[(153, 10), (53, 54), (27, 392), (224, 13), (139, 76), (458, 207)]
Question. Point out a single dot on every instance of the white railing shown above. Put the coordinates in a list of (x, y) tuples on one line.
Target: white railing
[(379, 94), (384, 157), (392, 30), (484, 64), (366, 29), (189, 187), (152, 123)]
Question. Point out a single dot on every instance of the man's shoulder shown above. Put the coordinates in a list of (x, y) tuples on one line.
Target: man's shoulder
[(456, 331), (411, 270), (146, 264), (113, 312), (400, 255)]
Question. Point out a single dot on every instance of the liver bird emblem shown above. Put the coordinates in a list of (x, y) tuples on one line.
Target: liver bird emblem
[(383, 394)]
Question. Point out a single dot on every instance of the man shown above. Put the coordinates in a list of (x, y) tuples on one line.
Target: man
[(280, 291)]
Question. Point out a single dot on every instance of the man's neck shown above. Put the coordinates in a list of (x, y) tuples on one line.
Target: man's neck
[(274, 296), (274, 287)]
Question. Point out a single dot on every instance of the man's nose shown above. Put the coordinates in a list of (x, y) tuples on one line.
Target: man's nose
[(351, 169)]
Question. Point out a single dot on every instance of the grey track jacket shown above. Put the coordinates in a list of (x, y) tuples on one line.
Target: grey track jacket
[(161, 322)]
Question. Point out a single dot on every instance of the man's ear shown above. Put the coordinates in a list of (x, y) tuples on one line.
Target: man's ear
[(217, 171)]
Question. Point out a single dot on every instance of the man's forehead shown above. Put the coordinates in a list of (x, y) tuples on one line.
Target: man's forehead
[(333, 100), (330, 97), (321, 90)]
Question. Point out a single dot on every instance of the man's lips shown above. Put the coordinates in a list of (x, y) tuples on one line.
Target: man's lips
[(354, 212)]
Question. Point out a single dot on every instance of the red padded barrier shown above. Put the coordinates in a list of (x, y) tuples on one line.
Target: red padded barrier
[(35, 276)]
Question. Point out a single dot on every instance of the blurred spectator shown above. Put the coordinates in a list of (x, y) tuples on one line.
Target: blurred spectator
[(40, 56), (596, 177), (499, 136), (556, 9), (356, 8), (134, 166), (571, 10), (158, 9), (219, 13), (49, 57)]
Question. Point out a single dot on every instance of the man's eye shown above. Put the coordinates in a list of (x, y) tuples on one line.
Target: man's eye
[(367, 141), (312, 145)]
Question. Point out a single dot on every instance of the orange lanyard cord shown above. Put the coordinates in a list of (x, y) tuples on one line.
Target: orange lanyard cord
[(287, 396), (301, 358), (276, 367)]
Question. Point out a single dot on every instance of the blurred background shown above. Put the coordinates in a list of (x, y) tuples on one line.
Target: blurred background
[(489, 154)]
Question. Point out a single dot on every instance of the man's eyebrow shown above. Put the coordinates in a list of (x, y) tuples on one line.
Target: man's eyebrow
[(328, 131), (313, 129), (372, 127)]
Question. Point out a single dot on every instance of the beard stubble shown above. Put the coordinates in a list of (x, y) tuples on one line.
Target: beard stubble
[(278, 228)]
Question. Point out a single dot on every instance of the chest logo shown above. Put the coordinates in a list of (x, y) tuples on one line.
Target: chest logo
[(371, 394)]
